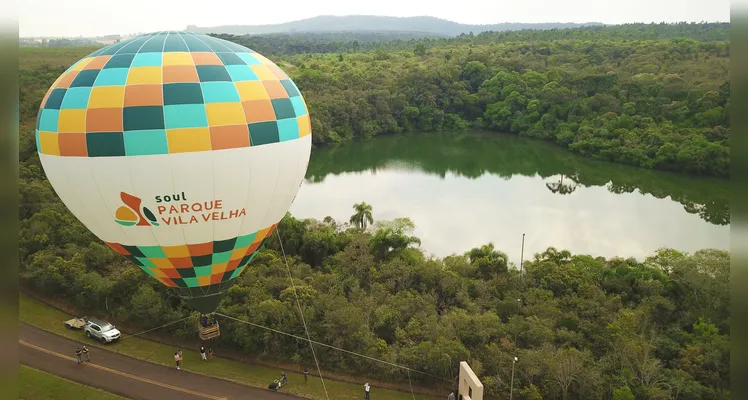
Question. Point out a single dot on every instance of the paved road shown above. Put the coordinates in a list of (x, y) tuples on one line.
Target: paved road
[(127, 376)]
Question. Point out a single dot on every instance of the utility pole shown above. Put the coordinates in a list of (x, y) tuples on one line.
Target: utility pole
[(522, 255), (511, 386)]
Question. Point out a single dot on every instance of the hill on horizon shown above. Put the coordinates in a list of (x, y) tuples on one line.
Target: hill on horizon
[(352, 23)]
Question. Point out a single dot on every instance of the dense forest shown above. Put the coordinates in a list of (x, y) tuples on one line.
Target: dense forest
[(357, 41), (659, 104), (581, 327)]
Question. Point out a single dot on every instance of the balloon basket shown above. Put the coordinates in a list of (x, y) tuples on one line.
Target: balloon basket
[(209, 332)]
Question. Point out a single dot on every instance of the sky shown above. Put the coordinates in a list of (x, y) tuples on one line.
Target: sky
[(72, 18)]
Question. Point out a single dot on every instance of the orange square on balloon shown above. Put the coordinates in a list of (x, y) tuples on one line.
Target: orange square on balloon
[(73, 144), (180, 74), (182, 262), (104, 120), (172, 273), (202, 249), (66, 79), (205, 58), (168, 282), (229, 136)]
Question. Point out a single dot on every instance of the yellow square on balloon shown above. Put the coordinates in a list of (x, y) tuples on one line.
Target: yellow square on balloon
[(107, 97), (72, 121), (186, 140), (81, 64), (48, 143), (144, 75), (203, 280), (263, 72), (178, 58), (220, 114), (252, 90)]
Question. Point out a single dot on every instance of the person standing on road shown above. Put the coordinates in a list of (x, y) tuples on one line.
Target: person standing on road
[(367, 389), (78, 355), (177, 359), (85, 353), (306, 374), (202, 352)]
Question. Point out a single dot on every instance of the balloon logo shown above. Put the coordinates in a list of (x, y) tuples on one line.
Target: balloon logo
[(181, 151), (130, 214)]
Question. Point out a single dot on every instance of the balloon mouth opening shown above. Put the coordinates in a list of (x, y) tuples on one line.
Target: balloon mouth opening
[(204, 304)]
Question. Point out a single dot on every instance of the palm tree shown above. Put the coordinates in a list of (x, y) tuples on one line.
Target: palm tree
[(362, 215), (561, 187)]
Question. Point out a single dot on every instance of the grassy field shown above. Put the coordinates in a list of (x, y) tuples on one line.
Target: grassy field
[(39, 385), (41, 315), (34, 57)]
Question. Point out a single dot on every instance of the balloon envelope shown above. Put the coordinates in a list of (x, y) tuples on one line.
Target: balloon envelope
[(180, 151)]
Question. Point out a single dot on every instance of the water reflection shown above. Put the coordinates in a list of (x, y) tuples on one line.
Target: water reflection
[(465, 190)]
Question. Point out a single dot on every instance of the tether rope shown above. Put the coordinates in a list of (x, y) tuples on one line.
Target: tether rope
[(301, 312)]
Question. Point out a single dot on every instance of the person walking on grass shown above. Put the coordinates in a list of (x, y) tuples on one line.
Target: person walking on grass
[(85, 353), (78, 355), (306, 374), (367, 389), (210, 354), (202, 352), (284, 378), (177, 360)]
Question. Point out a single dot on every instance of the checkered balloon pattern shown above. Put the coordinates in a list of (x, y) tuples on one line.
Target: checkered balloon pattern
[(169, 92)]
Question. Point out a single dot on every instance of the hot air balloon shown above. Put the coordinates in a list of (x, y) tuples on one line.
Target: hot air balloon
[(180, 151)]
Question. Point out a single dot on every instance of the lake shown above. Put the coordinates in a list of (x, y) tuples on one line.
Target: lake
[(464, 190)]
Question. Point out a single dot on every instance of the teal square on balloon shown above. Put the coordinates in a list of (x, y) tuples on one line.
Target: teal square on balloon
[(249, 260), (174, 43), (144, 143), (76, 98), (249, 59), (298, 106), (191, 282), (283, 108), (203, 271), (236, 272), (220, 92), (241, 73), (38, 144), (146, 262), (291, 89), (219, 258), (152, 251), (195, 44), (244, 241), (288, 129), (185, 116), (49, 119), (147, 60), (112, 77)]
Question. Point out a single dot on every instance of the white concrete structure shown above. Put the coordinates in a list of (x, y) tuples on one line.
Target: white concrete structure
[(470, 387)]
